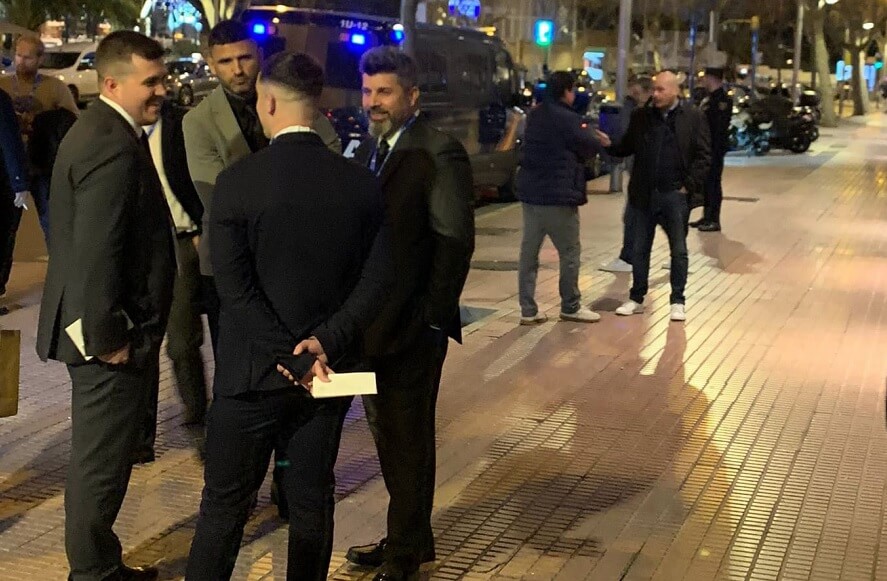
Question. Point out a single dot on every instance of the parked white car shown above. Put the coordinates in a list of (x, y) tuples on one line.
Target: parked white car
[(74, 65)]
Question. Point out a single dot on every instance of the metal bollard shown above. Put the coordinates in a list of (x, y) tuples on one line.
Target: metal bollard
[(616, 178)]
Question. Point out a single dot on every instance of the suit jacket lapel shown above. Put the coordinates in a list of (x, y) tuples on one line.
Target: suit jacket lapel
[(398, 153), (236, 144)]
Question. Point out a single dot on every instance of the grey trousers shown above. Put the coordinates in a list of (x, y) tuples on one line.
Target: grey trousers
[(561, 224), (108, 407)]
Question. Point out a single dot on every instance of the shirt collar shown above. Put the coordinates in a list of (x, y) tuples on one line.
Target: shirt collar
[(293, 129), (122, 112)]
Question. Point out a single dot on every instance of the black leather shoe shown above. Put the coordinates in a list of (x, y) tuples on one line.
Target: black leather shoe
[(696, 223), (374, 555), (368, 555), (143, 457), (386, 576), (710, 227), (125, 573)]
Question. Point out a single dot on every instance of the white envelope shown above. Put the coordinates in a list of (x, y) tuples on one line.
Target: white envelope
[(75, 332), (345, 384)]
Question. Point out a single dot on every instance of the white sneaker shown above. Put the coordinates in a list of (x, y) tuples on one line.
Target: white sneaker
[(617, 265), (630, 308), (678, 312), (583, 315), (537, 319)]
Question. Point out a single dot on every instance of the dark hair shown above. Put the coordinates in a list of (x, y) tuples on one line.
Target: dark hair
[(297, 72), (388, 59), (228, 32), (559, 82), (644, 82), (119, 47)]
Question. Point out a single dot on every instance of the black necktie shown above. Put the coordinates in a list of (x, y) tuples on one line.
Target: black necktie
[(382, 153), (145, 144)]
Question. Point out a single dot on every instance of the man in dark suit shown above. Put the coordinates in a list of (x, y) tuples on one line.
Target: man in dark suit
[(108, 293), (13, 187), (427, 182), (671, 146), (302, 263), (185, 329)]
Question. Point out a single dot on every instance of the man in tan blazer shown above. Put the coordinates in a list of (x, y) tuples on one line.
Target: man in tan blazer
[(225, 128)]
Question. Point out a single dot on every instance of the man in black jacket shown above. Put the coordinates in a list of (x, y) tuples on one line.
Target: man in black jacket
[(672, 148), (718, 109), (551, 186), (427, 182), (185, 330), (302, 264), (107, 295)]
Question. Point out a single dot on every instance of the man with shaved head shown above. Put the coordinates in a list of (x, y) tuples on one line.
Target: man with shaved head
[(672, 147)]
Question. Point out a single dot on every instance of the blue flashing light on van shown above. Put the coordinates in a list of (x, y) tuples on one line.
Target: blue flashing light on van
[(260, 29)]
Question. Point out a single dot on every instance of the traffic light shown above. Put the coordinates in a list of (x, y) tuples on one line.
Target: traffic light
[(543, 32)]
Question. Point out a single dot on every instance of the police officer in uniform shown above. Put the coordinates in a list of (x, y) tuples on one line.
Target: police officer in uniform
[(718, 108)]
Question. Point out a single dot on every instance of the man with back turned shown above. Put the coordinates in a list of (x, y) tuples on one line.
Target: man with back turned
[(302, 265)]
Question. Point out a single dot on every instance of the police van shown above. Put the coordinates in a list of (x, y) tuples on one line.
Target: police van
[(467, 79)]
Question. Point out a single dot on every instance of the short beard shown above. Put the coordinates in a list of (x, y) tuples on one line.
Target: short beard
[(381, 129)]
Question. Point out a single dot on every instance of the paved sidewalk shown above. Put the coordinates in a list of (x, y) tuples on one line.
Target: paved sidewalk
[(749, 443)]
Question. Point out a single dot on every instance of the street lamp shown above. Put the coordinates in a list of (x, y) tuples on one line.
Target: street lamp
[(868, 25), (831, 2)]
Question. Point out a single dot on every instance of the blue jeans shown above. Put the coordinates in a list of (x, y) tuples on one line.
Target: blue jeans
[(627, 254), (561, 224), (671, 210)]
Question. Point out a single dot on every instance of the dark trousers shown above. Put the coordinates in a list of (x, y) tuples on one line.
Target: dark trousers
[(185, 333), (241, 433), (671, 210), (401, 418), (212, 307), (714, 192), (107, 414), (40, 194), (10, 217), (627, 253)]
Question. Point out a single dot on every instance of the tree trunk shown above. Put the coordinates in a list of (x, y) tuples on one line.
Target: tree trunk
[(823, 72), (860, 87), (408, 20)]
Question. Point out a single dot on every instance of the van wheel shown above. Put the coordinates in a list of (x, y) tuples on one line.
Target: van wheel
[(186, 97), (75, 92)]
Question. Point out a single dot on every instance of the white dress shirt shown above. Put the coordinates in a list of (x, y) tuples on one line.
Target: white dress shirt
[(293, 129), (180, 217), (132, 122)]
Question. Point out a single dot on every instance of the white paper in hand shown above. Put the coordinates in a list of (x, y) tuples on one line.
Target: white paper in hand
[(75, 332), (345, 384)]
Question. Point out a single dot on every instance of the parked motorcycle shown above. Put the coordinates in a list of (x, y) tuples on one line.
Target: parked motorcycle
[(747, 135)]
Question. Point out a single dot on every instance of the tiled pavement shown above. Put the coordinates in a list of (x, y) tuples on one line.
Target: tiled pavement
[(747, 444)]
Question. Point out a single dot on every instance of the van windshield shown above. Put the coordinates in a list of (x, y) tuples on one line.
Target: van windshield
[(338, 49), (60, 60)]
